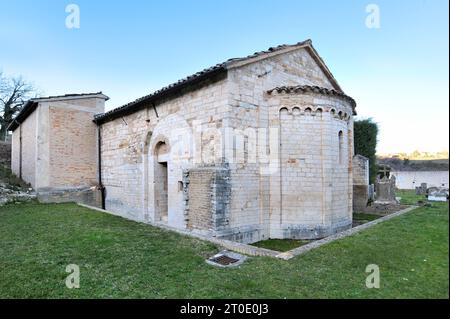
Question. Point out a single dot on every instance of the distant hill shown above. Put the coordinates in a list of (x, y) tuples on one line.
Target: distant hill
[(414, 165), (417, 155)]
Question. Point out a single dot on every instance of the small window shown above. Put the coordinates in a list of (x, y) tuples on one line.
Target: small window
[(180, 186), (341, 146), (284, 110)]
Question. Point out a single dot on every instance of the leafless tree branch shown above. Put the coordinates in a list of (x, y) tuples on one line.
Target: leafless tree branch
[(14, 92)]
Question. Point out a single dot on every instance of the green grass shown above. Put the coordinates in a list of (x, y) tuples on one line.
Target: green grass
[(123, 259), (281, 244), (365, 216), (409, 197)]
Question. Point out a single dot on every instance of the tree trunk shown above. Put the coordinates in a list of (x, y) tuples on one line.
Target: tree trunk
[(3, 132)]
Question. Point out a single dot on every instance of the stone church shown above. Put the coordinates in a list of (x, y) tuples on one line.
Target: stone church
[(253, 148)]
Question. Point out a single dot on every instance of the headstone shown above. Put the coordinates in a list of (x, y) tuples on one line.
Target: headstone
[(385, 188), (422, 189), (438, 194)]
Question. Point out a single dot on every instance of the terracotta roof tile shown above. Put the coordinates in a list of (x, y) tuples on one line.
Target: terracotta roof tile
[(313, 89), (208, 72)]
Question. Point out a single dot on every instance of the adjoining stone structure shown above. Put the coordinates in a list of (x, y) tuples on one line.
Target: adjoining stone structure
[(311, 196), (54, 146), (253, 148), (301, 187), (361, 187)]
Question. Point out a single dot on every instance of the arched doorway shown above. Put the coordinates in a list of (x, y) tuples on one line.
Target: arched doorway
[(161, 182)]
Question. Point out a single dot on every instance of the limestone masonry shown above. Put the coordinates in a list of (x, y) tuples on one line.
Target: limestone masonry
[(254, 148), (54, 146)]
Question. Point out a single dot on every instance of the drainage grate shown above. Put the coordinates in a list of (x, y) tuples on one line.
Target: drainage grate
[(224, 260)]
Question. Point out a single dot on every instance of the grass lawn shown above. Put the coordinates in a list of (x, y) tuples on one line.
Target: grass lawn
[(365, 217), (409, 197), (124, 259), (281, 244)]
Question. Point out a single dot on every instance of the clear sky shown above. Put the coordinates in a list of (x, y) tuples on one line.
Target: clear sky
[(398, 73)]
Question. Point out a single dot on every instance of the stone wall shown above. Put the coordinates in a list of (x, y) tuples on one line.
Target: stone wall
[(255, 196), (360, 170), (198, 199), (128, 150), (56, 148), (360, 183), (88, 196), (25, 134), (413, 179), (73, 148), (5, 153), (207, 198), (311, 195), (308, 195), (15, 152)]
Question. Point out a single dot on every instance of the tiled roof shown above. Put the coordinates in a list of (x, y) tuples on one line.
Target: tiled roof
[(129, 107), (314, 89), (199, 76)]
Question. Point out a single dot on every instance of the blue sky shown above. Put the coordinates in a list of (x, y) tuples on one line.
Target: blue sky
[(398, 74)]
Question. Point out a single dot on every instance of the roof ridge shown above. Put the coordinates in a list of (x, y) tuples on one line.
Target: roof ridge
[(65, 95), (198, 75), (31, 104)]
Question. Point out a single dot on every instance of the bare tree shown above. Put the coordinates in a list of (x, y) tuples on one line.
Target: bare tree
[(14, 92)]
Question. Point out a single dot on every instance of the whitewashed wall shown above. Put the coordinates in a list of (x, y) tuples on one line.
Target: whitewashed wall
[(411, 179)]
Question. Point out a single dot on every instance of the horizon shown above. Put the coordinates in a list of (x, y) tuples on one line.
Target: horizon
[(109, 53)]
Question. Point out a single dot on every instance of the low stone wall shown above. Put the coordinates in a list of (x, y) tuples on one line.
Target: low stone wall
[(257, 251), (5, 153), (224, 243), (360, 197), (361, 188), (8, 195), (87, 195), (207, 196), (315, 244)]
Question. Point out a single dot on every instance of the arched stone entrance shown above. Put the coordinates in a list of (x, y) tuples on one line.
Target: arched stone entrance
[(167, 152)]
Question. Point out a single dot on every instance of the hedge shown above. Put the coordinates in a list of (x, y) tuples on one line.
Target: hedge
[(365, 134)]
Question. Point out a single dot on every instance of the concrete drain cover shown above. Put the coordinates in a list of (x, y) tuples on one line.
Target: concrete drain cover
[(226, 259)]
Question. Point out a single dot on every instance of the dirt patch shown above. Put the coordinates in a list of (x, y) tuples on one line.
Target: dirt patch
[(376, 211), (384, 209), (281, 244)]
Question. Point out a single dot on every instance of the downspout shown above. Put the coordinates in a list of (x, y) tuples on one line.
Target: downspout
[(20, 150), (100, 184)]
